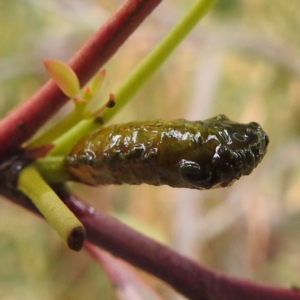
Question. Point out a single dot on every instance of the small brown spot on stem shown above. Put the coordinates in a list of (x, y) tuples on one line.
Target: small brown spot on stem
[(99, 120), (76, 238), (21, 126)]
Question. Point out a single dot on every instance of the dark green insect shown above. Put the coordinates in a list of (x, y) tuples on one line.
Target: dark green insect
[(198, 155)]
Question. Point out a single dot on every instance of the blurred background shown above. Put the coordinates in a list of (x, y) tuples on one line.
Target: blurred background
[(243, 60)]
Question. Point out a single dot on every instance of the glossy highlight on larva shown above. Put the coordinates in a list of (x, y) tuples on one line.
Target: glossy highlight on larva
[(179, 153)]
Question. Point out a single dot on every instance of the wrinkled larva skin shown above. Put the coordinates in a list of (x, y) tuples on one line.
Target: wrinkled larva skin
[(198, 155)]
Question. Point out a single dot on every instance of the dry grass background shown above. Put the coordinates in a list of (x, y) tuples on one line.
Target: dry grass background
[(243, 60)]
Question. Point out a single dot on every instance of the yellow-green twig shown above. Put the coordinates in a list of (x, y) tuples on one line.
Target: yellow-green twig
[(58, 129), (139, 76), (52, 169), (66, 224)]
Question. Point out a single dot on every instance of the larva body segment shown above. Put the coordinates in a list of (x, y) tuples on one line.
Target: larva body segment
[(179, 153)]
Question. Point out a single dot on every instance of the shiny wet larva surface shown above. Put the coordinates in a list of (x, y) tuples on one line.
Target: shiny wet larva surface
[(179, 153)]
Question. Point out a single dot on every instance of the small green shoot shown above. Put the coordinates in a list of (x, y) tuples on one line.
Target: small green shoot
[(64, 77), (81, 101)]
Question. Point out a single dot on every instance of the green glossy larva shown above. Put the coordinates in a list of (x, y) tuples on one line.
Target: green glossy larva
[(188, 154)]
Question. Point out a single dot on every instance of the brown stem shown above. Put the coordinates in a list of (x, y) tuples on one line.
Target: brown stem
[(26, 119)]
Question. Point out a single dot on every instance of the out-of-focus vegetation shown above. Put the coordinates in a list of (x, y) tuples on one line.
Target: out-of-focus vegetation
[(243, 61)]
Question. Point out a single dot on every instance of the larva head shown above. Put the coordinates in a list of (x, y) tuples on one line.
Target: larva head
[(241, 147), (228, 150)]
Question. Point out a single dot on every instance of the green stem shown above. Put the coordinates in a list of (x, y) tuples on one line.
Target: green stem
[(58, 129), (159, 55), (139, 76), (52, 169), (52, 208)]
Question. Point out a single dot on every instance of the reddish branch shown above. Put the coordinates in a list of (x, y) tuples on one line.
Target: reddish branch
[(26, 119), (184, 275)]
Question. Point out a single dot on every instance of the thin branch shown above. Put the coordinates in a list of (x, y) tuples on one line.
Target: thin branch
[(26, 119), (184, 275)]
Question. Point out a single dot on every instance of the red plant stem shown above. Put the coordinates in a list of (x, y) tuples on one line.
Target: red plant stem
[(184, 275), (26, 119)]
